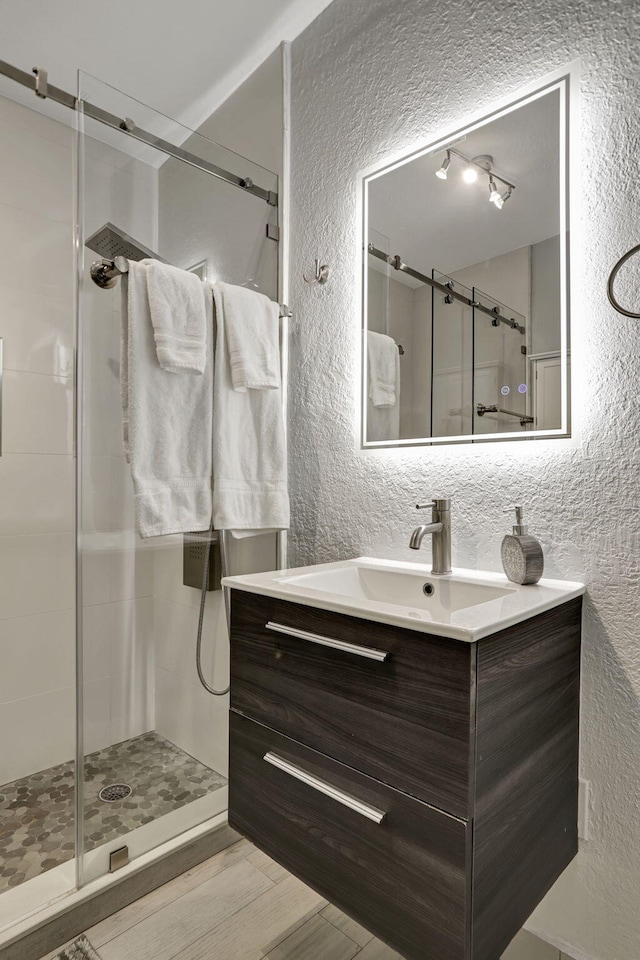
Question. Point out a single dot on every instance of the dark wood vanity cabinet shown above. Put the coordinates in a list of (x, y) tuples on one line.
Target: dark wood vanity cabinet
[(426, 786)]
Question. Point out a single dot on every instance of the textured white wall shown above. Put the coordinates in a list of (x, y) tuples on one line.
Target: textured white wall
[(370, 78)]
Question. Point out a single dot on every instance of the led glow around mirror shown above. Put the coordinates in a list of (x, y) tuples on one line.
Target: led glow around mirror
[(465, 282)]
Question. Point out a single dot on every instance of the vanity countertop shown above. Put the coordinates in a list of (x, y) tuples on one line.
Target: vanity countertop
[(463, 605)]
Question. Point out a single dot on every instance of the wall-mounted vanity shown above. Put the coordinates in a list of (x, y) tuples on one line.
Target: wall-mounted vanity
[(465, 278), (407, 744), (410, 753)]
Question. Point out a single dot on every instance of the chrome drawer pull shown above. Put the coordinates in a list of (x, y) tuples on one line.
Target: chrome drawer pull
[(345, 798), (370, 652)]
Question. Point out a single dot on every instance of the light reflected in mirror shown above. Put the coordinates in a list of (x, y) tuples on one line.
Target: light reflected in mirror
[(465, 283)]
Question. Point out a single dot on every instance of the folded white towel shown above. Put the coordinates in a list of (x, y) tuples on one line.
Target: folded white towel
[(179, 316), (384, 369), (253, 337), (249, 456), (167, 421)]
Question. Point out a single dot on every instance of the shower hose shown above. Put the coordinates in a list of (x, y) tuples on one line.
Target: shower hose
[(203, 600)]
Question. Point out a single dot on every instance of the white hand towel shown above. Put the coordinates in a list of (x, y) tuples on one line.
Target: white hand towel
[(249, 456), (169, 420), (252, 325), (177, 300), (384, 369)]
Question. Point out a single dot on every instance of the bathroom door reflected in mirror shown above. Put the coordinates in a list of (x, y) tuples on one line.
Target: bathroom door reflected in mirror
[(465, 283)]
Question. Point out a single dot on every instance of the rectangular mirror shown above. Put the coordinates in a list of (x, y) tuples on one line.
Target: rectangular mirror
[(465, 283)]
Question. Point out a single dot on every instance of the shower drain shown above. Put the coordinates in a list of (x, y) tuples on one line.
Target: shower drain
[(115, 791)]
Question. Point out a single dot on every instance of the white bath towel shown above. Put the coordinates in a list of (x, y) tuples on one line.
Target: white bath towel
[(383, 394), (384, 369), (252, 328), (167, 422), (249, 456), (383, 423), (179, 317)]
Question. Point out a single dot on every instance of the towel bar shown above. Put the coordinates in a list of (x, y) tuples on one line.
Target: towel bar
[(105, 273)]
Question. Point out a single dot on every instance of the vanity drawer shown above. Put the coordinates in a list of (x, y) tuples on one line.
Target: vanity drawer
[(403, 878), (392, 703)]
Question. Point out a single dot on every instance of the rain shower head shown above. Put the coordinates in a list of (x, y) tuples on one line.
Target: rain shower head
[(116, 249), (110, 242)]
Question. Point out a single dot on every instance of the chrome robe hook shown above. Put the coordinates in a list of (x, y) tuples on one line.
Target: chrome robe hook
[(321, 274)]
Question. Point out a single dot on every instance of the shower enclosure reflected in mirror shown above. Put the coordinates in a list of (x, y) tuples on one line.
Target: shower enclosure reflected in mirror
[(465, 277)]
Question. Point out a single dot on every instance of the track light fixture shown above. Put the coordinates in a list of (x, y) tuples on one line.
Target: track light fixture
[(475, 167), (501, 199), (442, 172), (470, 174)]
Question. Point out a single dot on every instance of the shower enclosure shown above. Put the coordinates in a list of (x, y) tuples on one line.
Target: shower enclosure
[(110, 743)]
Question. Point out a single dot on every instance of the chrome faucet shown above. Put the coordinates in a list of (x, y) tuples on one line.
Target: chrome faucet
[(440, 527)]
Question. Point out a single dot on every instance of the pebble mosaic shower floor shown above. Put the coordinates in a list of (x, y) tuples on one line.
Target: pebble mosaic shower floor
[(36, 812)]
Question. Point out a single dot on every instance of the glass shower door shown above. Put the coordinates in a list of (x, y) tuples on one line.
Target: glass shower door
[(501, 389), (452, 361), (154, 742)]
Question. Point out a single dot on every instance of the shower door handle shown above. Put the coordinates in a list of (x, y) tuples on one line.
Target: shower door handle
[(1, 386)]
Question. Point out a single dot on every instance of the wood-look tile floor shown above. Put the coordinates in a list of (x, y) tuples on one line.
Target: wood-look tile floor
[(241, 905)]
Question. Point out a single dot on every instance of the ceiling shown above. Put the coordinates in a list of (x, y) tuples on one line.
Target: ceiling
[(448, 224), (183, 59)]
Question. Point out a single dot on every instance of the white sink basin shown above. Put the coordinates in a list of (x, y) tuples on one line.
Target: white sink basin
[(441, 596), (465, 604)]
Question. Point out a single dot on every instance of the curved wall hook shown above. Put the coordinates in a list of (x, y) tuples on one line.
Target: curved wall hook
[(612, 276), (321, 274)]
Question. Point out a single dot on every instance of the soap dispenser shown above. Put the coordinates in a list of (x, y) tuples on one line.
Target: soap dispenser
[(522, 556)]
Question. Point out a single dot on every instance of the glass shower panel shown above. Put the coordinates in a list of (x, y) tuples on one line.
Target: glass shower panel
[(154, 741), (499, 370), (387, 314), (378, 277), (452, 364)]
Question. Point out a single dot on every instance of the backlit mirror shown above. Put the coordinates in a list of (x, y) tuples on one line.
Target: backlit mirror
[(465, 326)]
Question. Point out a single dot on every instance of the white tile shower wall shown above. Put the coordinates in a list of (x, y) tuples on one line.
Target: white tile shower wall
[(36, 469), (421, 356), (185, 713), (370, 79), (390, 305), (201, 218), (37, 642)]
